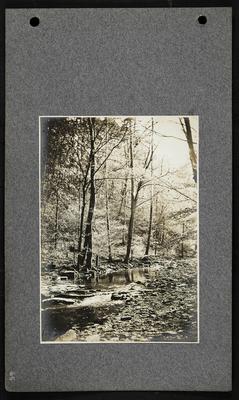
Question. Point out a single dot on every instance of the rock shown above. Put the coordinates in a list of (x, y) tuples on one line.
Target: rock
[(57, 300), (117, 296), (93, 338), (76, 291), (69, 274), (67, 337), (70, 295), (126, 318)]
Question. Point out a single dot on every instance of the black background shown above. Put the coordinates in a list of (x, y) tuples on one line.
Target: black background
[(235, 221)]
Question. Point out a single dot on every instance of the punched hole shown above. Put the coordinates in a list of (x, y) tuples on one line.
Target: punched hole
[(34, 21), (202, 19)]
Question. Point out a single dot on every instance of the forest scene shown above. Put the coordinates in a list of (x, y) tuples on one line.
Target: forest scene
[(119, 228)]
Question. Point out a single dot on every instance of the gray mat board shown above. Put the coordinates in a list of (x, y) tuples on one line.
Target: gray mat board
[(117, 62)]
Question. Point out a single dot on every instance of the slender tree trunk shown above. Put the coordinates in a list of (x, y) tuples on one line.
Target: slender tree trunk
[(182, 243), (156, 228), (107, 206), (124, 220), (108, 224), (152, 193), (124, 195), (163, 232), (80, 237), (192, 154), (150, 227), (130, 229), (86, 259), (56, 221), (133, 201)]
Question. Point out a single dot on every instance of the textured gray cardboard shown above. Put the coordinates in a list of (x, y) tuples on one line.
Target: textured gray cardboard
[(117, 62)]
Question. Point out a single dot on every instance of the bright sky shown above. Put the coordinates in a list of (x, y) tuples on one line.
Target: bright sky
[(173, 151)]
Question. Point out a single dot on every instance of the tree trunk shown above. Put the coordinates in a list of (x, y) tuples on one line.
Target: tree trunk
[(150, 228), (107, 206), (152, 193), (80, 237), (86, 259), (124, 220), (108, 226), (192, 154), (123, 204), (56, 221), (133, 201), (163, 233), (156, 228), (130, 229), (182, 243)]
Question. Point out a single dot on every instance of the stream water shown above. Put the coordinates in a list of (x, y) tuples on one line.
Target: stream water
[(121, 278), (134, 313)]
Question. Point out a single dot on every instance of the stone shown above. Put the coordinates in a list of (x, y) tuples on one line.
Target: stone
[(57, 300), (67, 274), (70, 335), (117, 296), (126, 318)]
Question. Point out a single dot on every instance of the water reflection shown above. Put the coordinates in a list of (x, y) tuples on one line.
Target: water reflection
[(118, 278)]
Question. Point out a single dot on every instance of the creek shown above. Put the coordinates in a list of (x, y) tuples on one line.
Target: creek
[(153, 303)]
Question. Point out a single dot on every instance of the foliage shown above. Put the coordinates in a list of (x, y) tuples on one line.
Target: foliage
[(106, 166)]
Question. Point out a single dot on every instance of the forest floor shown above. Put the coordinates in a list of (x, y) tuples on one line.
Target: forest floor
[(137, 303)]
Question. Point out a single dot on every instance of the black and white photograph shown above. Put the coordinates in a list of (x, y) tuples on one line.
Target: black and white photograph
[(119, 223)]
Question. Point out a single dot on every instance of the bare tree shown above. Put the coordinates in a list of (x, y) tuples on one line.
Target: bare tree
[(152, 194), (107, 206), (87, 250), (135, 189), (185, 123)]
